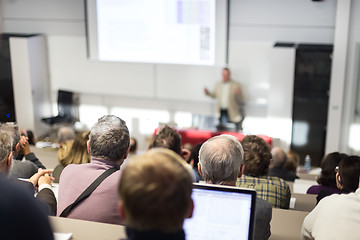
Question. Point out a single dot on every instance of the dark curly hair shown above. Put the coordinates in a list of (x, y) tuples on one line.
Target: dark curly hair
[(169, 138), (328, 165), (257, 156)]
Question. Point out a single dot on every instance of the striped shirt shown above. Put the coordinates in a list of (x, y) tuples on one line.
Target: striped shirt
[(272, 189)]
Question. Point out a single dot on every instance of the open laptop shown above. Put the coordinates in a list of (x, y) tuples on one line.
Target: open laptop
[(221, 212)]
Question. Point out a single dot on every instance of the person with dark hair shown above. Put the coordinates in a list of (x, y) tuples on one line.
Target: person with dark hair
[(133, 145), (169, 138), (229, 99), (108, 146), (347, 174), (327, 179), (257, 157), (31, 137), (194, 160), (337, 216)]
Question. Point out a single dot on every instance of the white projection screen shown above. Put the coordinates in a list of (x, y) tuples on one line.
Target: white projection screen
[(157, 31)]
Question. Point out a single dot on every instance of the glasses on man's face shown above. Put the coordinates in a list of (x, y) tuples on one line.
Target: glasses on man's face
[(337, 169)]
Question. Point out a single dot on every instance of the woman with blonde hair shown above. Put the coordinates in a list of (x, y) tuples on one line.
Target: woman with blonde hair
[(72, 152)]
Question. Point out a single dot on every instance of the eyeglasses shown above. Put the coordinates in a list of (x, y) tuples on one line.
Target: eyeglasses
[(337, 169)]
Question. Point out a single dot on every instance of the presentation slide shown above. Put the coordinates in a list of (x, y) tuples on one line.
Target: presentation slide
[(156, 31)]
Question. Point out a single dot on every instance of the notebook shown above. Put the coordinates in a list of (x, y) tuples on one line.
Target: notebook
[(221, 212)]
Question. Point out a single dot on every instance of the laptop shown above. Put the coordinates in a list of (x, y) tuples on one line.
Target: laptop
[(221, 212)]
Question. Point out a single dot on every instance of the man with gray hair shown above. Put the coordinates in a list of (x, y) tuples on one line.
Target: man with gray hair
[(40, 180), (276, 168), (108, 146), (20, 148), (221, 161)]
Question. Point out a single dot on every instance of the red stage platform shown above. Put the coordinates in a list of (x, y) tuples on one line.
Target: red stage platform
[(194, 136)]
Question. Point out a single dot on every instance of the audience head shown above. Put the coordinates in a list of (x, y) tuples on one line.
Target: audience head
[(5, 152), (348, 174), (13, 130), (278, 157), (169, 138), (328, 165), (31, 137), (133, 145), (221, 160), (65, 134), (109, 139), (292, 161), (257, 156), (194, 156), (155, 191), (78, 150)]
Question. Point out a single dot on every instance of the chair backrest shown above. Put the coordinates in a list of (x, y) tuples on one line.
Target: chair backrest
[(304, 202), (286, 224)]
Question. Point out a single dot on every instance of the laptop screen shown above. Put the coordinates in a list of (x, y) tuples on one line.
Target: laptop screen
[(221, 212)]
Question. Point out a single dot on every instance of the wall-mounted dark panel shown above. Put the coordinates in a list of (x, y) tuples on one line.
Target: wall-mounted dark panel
[(310, 104), (7, 106)]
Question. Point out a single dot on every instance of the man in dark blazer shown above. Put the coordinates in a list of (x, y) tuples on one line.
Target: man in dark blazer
[(40, 181), (221, 162), (22, 216)]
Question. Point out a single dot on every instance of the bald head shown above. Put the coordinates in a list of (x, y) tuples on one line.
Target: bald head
[(220, 160), (279, 157)]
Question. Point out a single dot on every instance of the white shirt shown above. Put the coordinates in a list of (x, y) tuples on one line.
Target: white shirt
[(225, 89), (335, 217)]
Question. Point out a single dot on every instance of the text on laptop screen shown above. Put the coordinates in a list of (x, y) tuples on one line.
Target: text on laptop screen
[(219, 215)]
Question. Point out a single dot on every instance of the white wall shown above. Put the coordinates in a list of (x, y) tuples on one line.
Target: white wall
[(30, 80), (351, 122), (282, 20), (254, 26)]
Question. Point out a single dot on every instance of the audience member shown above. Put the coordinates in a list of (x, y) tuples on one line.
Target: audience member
[(292, 162), (194, 160), (336, 216), (108, 146), (73, 152), (169, 138), (31, 137), (22, 217), (21, 168), (327, 179), (221, 162), (40, 180), (188, 147), (133, 146), (347, 174), (257, 158), (132, 152), (276, 168), (65, 134), (155, 196)]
